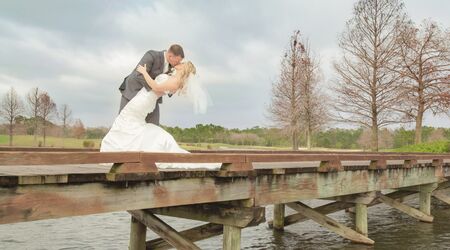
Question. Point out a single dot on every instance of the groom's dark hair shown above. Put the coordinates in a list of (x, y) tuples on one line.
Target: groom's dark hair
[(177, 50)]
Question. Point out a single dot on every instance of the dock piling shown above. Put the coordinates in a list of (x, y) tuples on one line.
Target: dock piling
[(278, 216), (231, 238), (138, 234)]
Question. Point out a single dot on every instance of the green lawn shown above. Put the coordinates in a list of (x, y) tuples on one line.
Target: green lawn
[(28, 141)]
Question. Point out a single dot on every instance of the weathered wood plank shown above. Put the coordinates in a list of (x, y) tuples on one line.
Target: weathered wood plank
[(378, 164), (330, 223), (55, 158), (330, 166), (415, 213), (217, 213), (134, 167), (363, 198), (44, 158), (35, 202), (339, 157), (305, 186), (138, 232), (52, 158), (231, 238), (194, 234), (251, 151), (163, 230)]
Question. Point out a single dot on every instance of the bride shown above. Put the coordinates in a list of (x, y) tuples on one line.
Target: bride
[(130, 132)]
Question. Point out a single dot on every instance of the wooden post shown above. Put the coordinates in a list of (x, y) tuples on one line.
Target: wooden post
[(425, 197), (231, 238), (361, 218), (137, 235), (425, 202), (278, 216)]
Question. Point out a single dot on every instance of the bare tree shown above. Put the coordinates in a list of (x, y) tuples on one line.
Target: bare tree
[(11, 107), (424, 60), (284, 109), (34, 106), (313, 104), (65, 116), (47, 109), (78, 129), (367, 89)]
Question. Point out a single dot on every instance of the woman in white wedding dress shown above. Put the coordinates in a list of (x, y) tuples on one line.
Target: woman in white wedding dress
[(130, 132)]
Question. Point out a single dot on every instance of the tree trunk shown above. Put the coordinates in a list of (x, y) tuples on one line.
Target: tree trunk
[(10, 134), (374, 137), (294, 140), (44, 134), (308, 137), (419, 117), (418, 132)]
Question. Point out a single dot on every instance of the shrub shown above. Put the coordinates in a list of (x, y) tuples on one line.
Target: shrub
[(432, 147), (88, 144)]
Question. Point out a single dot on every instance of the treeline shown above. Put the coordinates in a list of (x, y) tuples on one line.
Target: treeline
[(332, 138), (37, 114), (391, 71)]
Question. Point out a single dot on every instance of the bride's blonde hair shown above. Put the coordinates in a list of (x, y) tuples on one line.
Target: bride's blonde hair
[(188, 69)]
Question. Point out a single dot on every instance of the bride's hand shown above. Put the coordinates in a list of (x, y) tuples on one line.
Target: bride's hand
[(141, 69)]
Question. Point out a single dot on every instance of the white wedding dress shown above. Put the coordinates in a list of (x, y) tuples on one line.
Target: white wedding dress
[(130, 132)]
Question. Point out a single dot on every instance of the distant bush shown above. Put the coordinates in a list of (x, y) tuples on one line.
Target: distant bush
[(432, 147), (88, 144)]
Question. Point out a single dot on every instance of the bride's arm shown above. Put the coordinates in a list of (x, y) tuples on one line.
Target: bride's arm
[(170, 85)]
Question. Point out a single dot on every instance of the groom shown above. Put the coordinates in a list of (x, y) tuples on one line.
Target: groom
[(158, 62)]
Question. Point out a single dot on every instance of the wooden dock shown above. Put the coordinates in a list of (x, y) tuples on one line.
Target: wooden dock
[(39, 184)]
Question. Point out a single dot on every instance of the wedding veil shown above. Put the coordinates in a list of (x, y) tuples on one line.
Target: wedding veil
[(197, 94)]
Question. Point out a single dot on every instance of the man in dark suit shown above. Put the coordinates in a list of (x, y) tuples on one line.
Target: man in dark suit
[(158, 62)]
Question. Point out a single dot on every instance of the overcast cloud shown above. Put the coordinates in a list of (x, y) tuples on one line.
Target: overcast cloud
[(80, 51)]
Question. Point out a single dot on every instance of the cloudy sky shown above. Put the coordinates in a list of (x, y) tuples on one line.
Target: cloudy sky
[(79, 51)]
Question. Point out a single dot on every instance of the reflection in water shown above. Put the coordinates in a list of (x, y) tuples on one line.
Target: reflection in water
[(390, 230)]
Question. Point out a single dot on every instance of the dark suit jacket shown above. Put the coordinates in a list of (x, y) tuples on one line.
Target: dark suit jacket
[(135, 81)]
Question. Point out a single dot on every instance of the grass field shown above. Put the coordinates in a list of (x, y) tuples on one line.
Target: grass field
[(28, 141)]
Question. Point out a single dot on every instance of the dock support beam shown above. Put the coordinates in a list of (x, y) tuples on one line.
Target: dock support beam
[(361, 219), (438, 194), (231, 237), (415, 213), (138, 234), (278, 216), (331, 224)]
